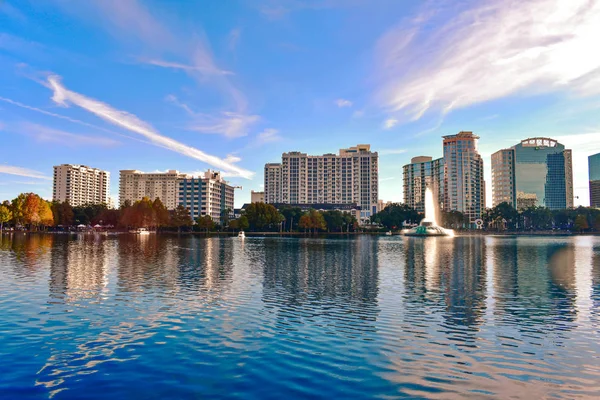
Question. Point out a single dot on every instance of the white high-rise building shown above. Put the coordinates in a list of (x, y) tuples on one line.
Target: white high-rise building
[(351, 177), (135, 185), (206, 195), (79, 185), (464, 187)]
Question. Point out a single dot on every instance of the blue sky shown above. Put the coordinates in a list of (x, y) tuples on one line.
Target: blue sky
[(230, 85)]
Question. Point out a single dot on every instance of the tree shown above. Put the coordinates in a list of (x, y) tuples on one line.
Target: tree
[(261, 215), (161, 214), (225, 214), (243, 223), (205, 222), (17, 209), (333, 220), (394, 215), (45, 214), (581, 223), (31, 209), (180, 217), (312, 220), (234, 224), (5, 215), (291, 217)]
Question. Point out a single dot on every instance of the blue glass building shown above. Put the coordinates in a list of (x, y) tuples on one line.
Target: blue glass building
[(594, 173)]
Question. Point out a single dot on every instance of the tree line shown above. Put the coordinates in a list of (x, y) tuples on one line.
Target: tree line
[(501, 217)]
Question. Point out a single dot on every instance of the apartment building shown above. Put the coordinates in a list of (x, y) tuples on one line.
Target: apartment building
[(345, 178), (209, 195), (423, 172), (80, 185), (464, 185), (134, 185)]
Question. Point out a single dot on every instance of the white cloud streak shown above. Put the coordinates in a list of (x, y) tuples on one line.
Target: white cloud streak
[(490, 50), (386, 152), (62, 96), (67, 139), (12, 170), (268, 136), (343, 103)]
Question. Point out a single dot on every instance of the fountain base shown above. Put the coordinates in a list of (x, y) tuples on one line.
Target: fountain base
[(426, 229)]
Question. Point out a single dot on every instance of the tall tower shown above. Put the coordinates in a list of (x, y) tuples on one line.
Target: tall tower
[(463, 176), (421, 173), (594, 173), (80, 185)]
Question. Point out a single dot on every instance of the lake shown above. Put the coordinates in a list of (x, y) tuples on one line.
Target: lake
[(154, 317)]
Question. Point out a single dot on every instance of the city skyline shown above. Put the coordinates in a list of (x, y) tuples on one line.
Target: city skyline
[(159, 86)]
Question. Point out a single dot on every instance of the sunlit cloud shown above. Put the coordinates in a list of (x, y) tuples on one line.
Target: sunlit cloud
[(343, 103), (489, 50), (64, 97), (391, 178), (204, 68), (268, 135), (390, 123), (19, 171)]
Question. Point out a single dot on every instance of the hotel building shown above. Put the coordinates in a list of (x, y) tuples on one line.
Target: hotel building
[(350, 177), (80, 185), (422, 173), (207, 195), (594, 173), (536, 172), (257, 197), (135, 185), (464, 186)]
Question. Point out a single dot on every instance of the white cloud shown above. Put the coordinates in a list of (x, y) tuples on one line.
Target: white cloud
[(205, 67), (358, 114), (490, 50), (268, 135), (226, 123), (391, 151), (12, 170), (391, 178), (62, 96), (343, 103), (68, 139), (390, 123), (234, 38)]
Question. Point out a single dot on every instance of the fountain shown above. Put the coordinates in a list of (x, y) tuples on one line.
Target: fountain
[(428, 225)]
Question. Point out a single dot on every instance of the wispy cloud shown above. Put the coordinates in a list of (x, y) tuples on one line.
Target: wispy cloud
[(490, 49), (343, 103), (390, 123), (386, 152), (205, 68), (233, 39), (391, 178), (278, 9), (268, 136), (226, 123), (62, 96), (19, 171), (68, 139)]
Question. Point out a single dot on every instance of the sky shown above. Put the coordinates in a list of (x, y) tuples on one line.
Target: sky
[(231, 85)]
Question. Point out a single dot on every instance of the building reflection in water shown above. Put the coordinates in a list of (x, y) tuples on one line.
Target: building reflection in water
[(79, 267), (535, 283), (329, 283)]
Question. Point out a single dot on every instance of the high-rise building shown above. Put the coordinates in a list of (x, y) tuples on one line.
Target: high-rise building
[(257, 197), (422, 173), (79, 185), (594, 173), (536, 172), (207, 195), (273, 183), (503, 177), (135, 185), (347, 178), (464, 186)]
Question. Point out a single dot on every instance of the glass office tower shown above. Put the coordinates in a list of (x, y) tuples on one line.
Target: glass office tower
[(543, 174), (594, 171)]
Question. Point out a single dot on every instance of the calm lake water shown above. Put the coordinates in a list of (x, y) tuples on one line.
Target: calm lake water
[(167, 317)]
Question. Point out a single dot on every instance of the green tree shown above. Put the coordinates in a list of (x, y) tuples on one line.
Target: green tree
[(180, 218), (394, 215), (5, 215), (17, 209), (225, 217), (291, 217), (243, 223), (205, 222), (161, 214), (581, 223), (261, 216), (234, 224), (334, 220)]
